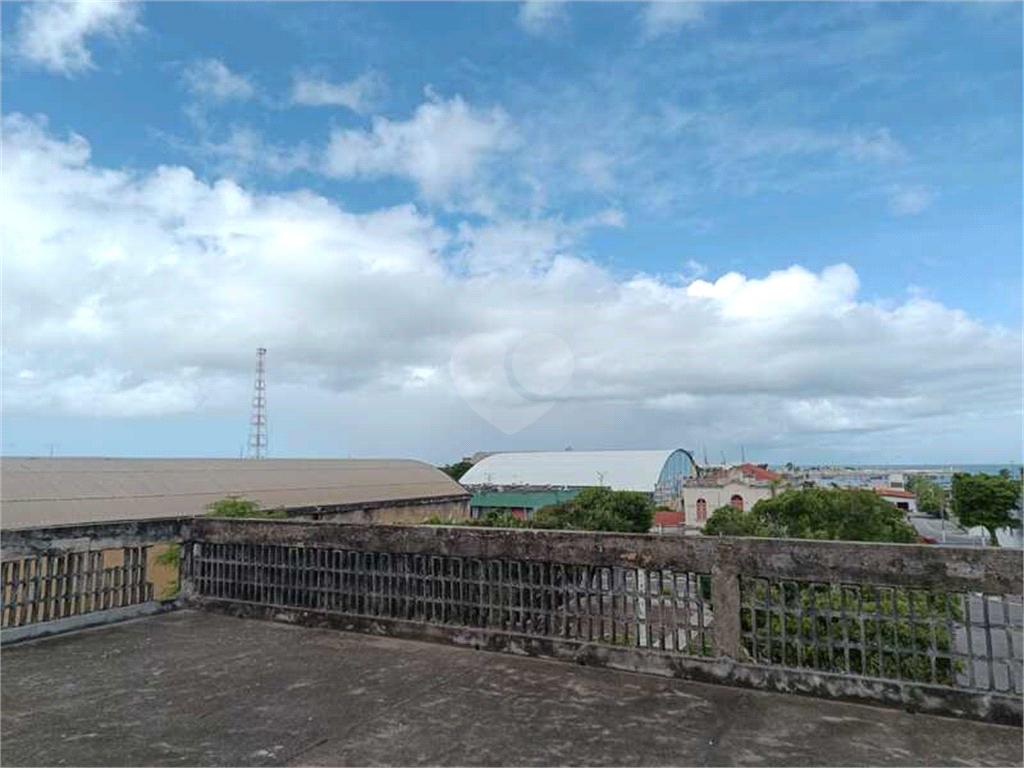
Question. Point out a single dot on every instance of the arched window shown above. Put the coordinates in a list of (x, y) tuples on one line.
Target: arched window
[(737, 501), (702, 510), (682, 515)]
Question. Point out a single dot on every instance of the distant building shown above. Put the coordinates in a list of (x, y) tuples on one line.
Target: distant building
[(523, 482), (741, 486), (60, 491), (520, 503), (905, 500), (667, 522), (896, 481)]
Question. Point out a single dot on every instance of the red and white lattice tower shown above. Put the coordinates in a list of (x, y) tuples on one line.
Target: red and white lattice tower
[(258, 421)]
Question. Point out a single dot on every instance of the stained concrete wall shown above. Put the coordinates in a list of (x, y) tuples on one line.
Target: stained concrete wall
[(412, 512)]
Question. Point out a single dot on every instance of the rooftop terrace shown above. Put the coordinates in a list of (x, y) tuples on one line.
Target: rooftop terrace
[(684, 651), (196, 688)]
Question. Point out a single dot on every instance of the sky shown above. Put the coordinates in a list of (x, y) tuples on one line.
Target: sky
[(783, 231)]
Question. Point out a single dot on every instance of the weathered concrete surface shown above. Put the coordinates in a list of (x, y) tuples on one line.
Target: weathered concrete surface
[(989, 570), (192, 688)]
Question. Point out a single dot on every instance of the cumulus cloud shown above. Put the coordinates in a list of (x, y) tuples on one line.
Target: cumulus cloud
[(442, 147), (663, 17), (169, 282), (359, 95), (907, 201), (53, 35), (541, 16), (211, 79)]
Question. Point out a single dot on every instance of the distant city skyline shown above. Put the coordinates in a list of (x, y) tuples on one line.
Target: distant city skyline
[(791, 227)]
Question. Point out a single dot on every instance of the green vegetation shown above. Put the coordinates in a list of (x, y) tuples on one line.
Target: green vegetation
[(457, 470), (171, 557), (729, 521), (817, 513), (986, 500), (235, 506), (931, 498), (592, 509), (877, 620), (599, 509)]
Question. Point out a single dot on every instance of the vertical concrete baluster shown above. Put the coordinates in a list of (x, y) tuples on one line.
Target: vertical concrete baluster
[(725, 598)]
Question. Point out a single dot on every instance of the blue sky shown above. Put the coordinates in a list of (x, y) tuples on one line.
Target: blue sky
[(790, 226)]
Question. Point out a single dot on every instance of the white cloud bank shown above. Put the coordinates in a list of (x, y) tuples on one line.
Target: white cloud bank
[(139, 294), (53, 35)]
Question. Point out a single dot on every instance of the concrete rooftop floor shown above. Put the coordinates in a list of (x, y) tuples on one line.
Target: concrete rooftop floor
[(191, 688)]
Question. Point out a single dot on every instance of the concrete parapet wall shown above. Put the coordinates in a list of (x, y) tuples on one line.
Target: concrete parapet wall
[(944, 623), (921, 567)]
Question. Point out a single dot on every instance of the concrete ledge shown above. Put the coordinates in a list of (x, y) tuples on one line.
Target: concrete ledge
[(1004, 709), (83, 621), (993, 571), (79, 537)]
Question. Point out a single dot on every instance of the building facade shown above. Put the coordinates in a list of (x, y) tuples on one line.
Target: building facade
[(740, 487)]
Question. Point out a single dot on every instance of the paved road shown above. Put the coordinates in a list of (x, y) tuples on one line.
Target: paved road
[(954, 536), (1005, 623)]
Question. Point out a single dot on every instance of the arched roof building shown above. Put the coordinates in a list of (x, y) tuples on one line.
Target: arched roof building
[(659, 473)]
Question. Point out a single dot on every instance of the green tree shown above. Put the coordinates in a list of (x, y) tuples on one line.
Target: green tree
[(235, 506), (820, 513), (801, 635), (592, 509), (457, 470), (729, 521), (929, 494), (986, 500)]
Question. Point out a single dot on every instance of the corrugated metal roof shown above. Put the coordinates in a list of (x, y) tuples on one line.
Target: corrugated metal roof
[(60, 491), (620, 470)]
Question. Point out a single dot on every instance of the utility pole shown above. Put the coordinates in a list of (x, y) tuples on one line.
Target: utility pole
[(258, 420)]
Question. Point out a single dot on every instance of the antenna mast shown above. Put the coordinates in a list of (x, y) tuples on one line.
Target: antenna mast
[(258, 421)]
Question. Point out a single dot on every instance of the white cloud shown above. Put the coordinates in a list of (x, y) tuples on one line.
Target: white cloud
[(539, 17), (906, 201), (598, 169), (245, 149), (359, 95), (211, 79), (879, 146), (53, 35), (443, 147), (663, 17), (169, 283)]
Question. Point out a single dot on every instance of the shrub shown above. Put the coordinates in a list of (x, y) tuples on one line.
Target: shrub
[(235, 506)]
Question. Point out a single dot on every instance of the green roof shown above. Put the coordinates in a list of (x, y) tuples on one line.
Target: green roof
[(527, 499)]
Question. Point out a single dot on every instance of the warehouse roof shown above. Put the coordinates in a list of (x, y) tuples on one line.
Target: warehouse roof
[(620, 470), (43, 491)]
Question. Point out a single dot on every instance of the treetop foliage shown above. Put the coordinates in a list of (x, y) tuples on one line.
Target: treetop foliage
[(817, 513)]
